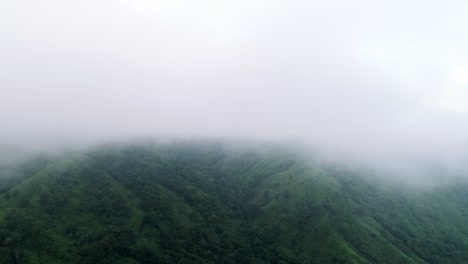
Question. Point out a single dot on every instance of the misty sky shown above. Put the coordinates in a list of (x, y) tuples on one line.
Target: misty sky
[(352, 74)]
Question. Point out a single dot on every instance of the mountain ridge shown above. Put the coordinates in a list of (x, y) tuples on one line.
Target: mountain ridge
[(215, 203)]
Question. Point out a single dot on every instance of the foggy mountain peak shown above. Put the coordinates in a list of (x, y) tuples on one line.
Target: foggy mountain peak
[(364, 78)]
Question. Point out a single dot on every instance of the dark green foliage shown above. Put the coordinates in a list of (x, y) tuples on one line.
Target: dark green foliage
[(13, 172), (211, 203)]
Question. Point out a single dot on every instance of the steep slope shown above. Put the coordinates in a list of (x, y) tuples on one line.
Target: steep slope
[(218, 203)]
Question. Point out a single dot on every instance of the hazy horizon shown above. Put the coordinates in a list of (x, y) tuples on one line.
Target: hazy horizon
[(371, 79)]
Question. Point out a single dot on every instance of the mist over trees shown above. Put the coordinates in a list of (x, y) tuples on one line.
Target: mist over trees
[(337, 74), (286, 131), (212, 202)]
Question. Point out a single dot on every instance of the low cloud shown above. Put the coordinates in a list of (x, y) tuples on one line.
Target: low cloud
[(374, 80)]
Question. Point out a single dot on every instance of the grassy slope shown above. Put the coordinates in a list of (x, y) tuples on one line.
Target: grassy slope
[(184, 203)]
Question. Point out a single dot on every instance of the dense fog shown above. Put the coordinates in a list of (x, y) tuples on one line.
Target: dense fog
[(383, 82)]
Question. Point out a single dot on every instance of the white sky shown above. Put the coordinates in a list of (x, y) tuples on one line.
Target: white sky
[(360, 74)]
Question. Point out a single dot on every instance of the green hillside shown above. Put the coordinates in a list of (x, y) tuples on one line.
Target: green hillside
[(220, 203)]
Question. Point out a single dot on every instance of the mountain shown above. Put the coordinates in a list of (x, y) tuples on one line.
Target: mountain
[(210, 202)]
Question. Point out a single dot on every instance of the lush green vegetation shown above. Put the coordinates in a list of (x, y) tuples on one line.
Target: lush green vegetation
[(217, 203)]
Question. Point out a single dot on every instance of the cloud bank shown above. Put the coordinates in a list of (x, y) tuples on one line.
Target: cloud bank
[(387, 78)]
